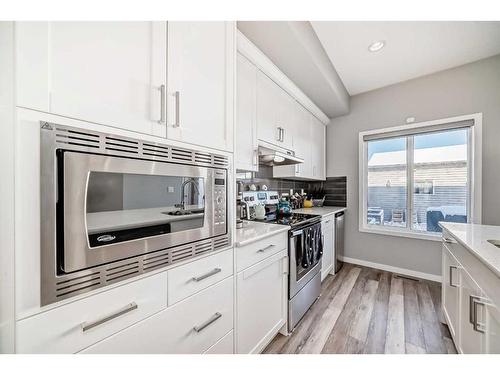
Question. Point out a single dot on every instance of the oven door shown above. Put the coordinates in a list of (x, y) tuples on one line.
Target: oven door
[(305, 257), (111, 208)]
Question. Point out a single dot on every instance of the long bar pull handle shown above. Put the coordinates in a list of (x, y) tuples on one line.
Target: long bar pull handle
[(177, 96), (451, 276), (130, 307), (163, 113), (208, 274), (202, 326), (265, 248)]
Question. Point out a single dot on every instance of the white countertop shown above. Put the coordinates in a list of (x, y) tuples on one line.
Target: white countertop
[(254, 231), (323, 211), (474, 237)]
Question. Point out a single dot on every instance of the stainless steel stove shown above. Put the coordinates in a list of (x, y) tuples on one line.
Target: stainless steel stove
[(305, 250)]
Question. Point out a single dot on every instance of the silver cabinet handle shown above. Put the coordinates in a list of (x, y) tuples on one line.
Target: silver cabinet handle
[(448, 240), (265, 248), (131, 306), (255, 157), (282, 134), (163, 112), (177, 96), (279, 134), (451, 276), (202, 326), (473, 302), (208, 274)]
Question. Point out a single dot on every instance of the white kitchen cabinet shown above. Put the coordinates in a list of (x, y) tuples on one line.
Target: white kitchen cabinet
[(274, 106), (192, 326), (245, 152), (492, 344), (450, 290), (470, 299), (201, 63), (261, 303), (109, 73), (318, 150), (471, 315), (328, 232)]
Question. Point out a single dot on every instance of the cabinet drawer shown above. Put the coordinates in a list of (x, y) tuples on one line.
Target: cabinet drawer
[(72, 327), (191, 326), (250, 254), (223, 346), (191, 278)]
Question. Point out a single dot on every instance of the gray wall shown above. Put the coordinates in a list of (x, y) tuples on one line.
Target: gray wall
[(467, 89)]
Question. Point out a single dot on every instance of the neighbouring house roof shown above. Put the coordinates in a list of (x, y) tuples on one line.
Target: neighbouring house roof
[(422, 155)]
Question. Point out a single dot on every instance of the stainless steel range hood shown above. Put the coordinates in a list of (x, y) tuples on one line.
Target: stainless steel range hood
[(274, 156)]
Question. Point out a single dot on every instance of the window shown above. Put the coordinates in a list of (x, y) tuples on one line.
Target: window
[(417, 175)]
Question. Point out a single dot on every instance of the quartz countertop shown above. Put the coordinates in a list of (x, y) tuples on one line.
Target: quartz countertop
[(254, 231), (474, 238), (323, 211)]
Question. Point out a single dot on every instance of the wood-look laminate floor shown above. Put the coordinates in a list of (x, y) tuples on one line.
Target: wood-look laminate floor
[(364, 310)]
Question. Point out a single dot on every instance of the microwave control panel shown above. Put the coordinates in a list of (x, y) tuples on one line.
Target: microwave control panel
[(220, 198)]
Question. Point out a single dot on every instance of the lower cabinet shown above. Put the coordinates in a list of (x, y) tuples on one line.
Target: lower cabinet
[(328, 232), (473, 317), (261, 303), (192, 326), (450, 290)]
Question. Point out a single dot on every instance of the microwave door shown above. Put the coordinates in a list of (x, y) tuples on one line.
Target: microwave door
[(115, 207)]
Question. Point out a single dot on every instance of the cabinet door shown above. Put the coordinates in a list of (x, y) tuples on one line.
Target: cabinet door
[(286, 108), (472, 317), (261, 300), (318, 150), (246, 115), (492, 329), (104, 72), (327, 259), (302, 145), (200, 82), (268, 97), (450, 290)]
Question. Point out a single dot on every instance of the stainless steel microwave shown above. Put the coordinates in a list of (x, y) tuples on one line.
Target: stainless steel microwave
[(115, 207)]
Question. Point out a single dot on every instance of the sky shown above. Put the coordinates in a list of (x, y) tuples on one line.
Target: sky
[(446, 138)]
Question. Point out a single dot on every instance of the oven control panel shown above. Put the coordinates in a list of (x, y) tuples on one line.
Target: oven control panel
[(220, 198), (260, 197)]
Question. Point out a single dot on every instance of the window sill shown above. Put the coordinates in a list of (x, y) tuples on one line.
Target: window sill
[(400, 233)]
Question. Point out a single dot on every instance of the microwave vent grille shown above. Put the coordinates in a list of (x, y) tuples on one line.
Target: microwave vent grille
[(74, 284), (77, 138), (88, 140)]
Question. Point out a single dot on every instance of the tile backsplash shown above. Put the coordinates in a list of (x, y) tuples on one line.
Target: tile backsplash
[(335, 187)]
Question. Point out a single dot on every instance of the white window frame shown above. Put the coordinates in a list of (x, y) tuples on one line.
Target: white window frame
[(474, 160)]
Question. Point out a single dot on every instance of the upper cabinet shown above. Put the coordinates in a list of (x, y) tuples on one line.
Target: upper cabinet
[(245, 151), (282, 115), (201, 59), (109, 73), (115, 74), (318, 157)]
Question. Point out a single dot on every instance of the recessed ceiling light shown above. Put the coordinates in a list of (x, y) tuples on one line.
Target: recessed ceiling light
[(376, 46)]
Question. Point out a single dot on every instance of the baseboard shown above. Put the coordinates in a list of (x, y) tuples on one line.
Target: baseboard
[(401, 271)]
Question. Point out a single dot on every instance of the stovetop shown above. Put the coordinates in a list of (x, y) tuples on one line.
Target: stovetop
[(293, 220)]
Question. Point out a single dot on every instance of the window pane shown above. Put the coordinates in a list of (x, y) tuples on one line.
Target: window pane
[(387, 182), (440, 179)]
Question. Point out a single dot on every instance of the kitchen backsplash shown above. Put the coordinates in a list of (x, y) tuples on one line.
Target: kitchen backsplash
[(335, 187)]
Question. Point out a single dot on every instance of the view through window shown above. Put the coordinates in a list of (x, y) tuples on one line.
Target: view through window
[(416, 181)]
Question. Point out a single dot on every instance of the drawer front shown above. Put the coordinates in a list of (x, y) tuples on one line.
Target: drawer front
[(223, 346), (248, 255), (72, 327), (189, 279), (191, 326)]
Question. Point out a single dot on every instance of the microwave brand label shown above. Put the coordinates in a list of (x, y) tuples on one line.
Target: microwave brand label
[(106, 238)]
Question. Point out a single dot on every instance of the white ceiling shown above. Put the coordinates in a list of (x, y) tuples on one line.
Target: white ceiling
[(412, 49)]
